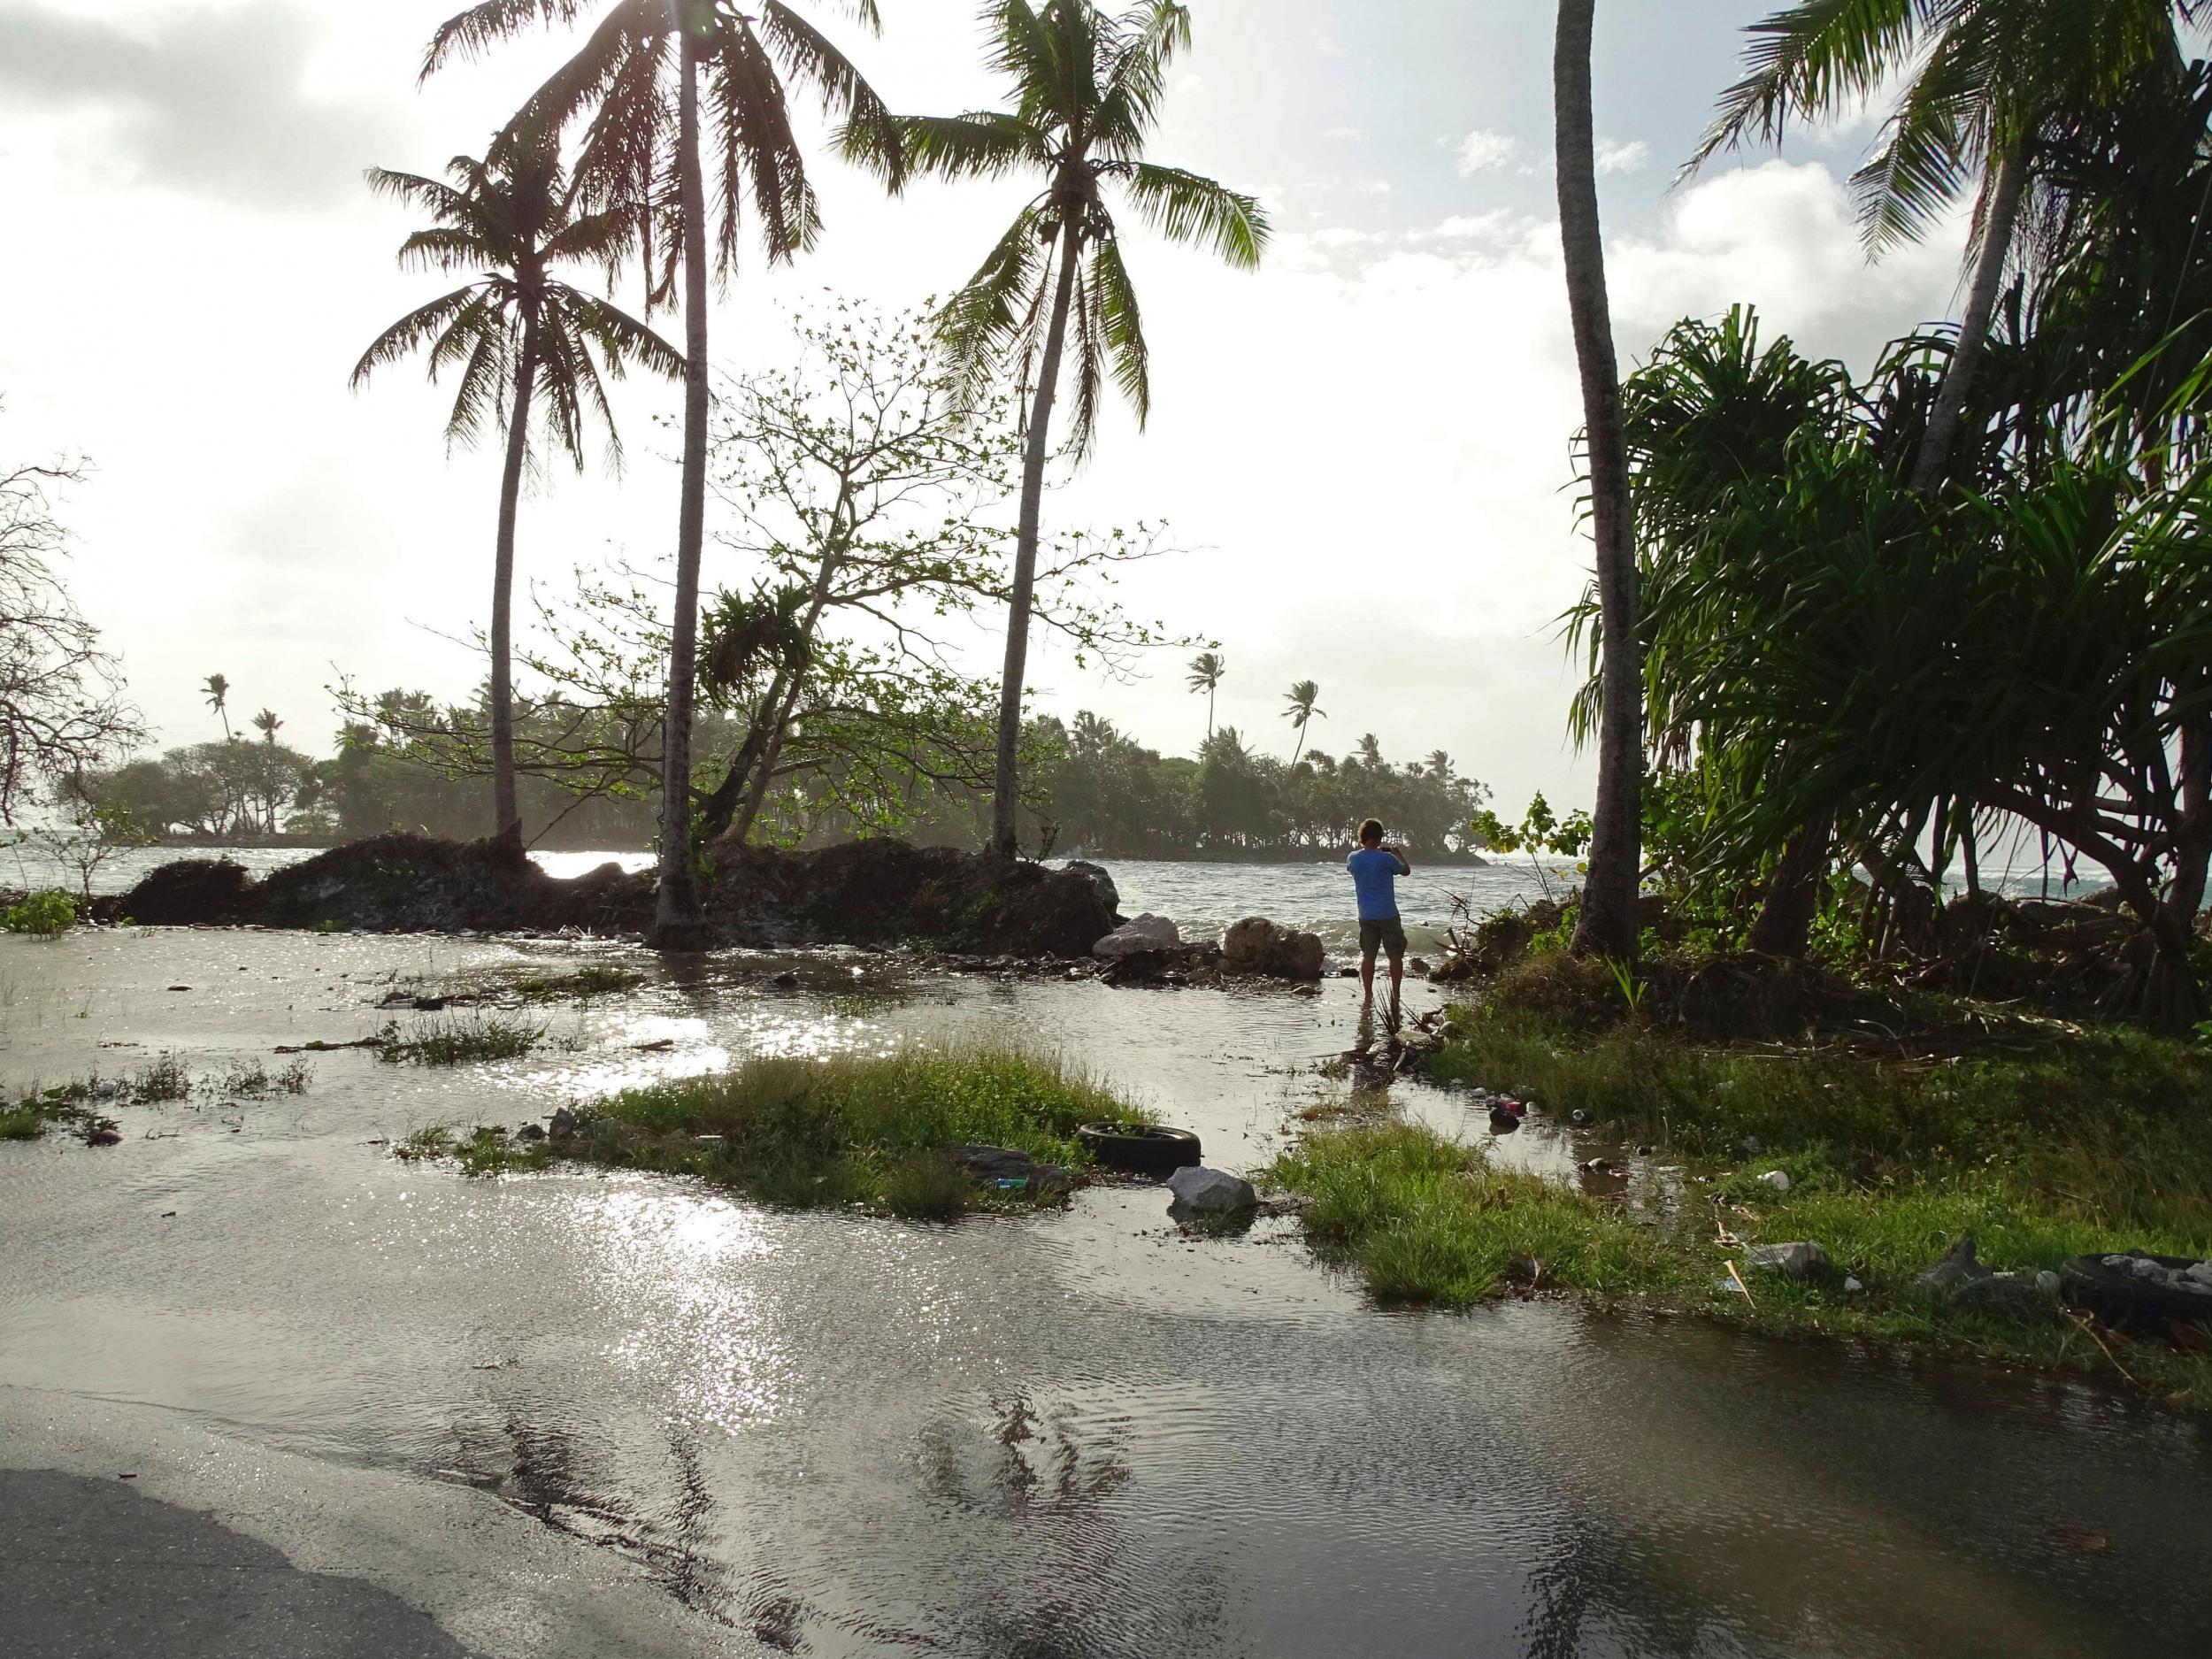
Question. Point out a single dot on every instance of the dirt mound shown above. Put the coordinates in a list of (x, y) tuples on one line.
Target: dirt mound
[(886, 891), (191, 893), (876, 892)]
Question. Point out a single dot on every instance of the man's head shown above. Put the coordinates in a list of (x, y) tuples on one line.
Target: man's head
[(1371, 833)]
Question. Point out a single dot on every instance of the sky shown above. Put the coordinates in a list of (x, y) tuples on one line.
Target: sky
[(1361, 451)]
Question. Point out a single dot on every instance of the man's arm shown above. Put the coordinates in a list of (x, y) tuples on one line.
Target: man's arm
[(1399, 853)]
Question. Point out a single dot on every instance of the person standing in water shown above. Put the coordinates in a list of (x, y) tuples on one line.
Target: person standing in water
[(1375, 870)]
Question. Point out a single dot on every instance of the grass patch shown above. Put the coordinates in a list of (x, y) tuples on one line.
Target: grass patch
[(488, 1150), (72, 1105), (867, 1131), (46, 915), (457, 1041), (2038, 1141), (250, 1080), (592, 979)]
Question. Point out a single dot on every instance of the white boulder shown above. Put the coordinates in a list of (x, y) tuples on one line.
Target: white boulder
[(1146, 933), (1212, 1191)]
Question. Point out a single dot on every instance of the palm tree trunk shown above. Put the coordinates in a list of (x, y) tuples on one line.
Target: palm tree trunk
[(1783, 926), (506, 814), (1210, 714), (676, 922), (1981, 302), (1005, 802), (764, 772), (1608, 925)]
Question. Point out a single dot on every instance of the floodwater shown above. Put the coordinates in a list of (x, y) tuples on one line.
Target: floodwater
[(1076, 1433)]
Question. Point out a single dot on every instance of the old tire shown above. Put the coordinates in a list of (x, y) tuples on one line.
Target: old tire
[(1140, 1149), (2129, 1303)]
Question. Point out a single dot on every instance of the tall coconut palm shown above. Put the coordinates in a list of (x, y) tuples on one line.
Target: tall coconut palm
[(1608, 924), (523, 341), (1439, 765), (217, 689), (1985, 84), (1206, 671), (1303, 696), (267, 723), (659, 83), (1086, 92), (1370, 750)]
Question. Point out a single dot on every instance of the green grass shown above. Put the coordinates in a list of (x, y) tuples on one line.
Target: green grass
[(250, 1080), (868, 1132), (458, 1041), (72, 1105), (42, 916), (592, 979), (2040, 1144), (488, 1150)]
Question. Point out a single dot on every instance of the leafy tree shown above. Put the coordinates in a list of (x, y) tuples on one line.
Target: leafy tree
[(1990, 85), (1206, 671), (1608, 924), (728, 70), (525, 344), (1303, 697), (1086, 91)]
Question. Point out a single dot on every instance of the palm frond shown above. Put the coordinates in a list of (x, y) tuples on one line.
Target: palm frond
[(1186, 208), (622, 340), (808, 56), (1089, 353), (979, 326), (440, 249), (981, 144), (434, 196), (479, 400), (469, 34), (1115, 298), (406, 337), (1927, 153), (756, 146), (1136, 80), (1811, 60)]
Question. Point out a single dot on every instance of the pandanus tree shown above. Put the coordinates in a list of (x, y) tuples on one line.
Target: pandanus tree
[(1608, 924), (523, 345), (1988, 86), (1086, 90), (1304, 698), (1207, 671), (660, 86)]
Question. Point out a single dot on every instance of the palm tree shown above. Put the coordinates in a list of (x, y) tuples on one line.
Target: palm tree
[(1206, 670), (514, 332), (1301, 697), (217, 689), (1086, 91), (1990, 83), (267, 723), (1370, 750), (1439, 765), (1608, 924), (639, 137)]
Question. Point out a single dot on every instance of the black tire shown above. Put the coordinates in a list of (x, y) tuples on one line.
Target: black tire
[(1140, 1149), (2129, 1303)]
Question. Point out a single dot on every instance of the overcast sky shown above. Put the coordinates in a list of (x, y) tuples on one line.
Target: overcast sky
[(1363, 447)]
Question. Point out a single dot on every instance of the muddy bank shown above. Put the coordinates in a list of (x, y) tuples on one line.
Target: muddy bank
[(876, 892)]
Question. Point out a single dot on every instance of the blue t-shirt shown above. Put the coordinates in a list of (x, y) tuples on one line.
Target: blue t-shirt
[(1375, 874)]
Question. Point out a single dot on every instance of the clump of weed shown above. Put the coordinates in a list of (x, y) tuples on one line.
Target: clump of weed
[(166, 1079), (488, 1150), (453, 1041), (46, 915), (434, 1140), (869, 1130), (597, 979), (251, 1079)]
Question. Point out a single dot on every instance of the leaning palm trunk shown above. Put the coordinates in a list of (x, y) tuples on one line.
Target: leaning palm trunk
[(1998, 221), (506, 813), (676, 922), (1609, 924), (1784, 926), (1004, 799)]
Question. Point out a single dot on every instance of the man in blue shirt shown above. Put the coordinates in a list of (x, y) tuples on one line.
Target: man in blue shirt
[(1375, 870)]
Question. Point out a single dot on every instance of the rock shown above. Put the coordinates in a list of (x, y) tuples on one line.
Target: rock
[(1146, 933), (532, 1131), (1255, 945), (1004, 1165), (2047, 1281), (2007, 1295), (1852, 1287), (1580, 1118), (1095, 874), (1750, 1146), (564, 1123), (2199, 1275), (1958, 1267), (1212, 1191), (104, 1135), (1803, 1259), (1776, 1180)]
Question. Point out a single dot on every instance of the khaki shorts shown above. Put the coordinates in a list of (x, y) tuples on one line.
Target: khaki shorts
[(1388, 934)]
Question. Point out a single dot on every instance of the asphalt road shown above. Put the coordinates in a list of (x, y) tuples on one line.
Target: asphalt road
[(92, 1569)]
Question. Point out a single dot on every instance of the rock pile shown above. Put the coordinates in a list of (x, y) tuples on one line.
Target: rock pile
[(1258, 946)]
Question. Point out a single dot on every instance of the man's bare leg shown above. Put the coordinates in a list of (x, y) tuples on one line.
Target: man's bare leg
[(1367, 976), (1397, 983)]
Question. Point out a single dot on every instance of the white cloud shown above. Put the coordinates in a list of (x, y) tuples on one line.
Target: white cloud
[(1614, 157), (1327, 46), (1376, 187), (1192, 83), (1482, 152), (1343, 134)]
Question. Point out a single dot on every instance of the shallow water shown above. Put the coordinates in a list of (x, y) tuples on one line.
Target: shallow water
[(1076, 1433)]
